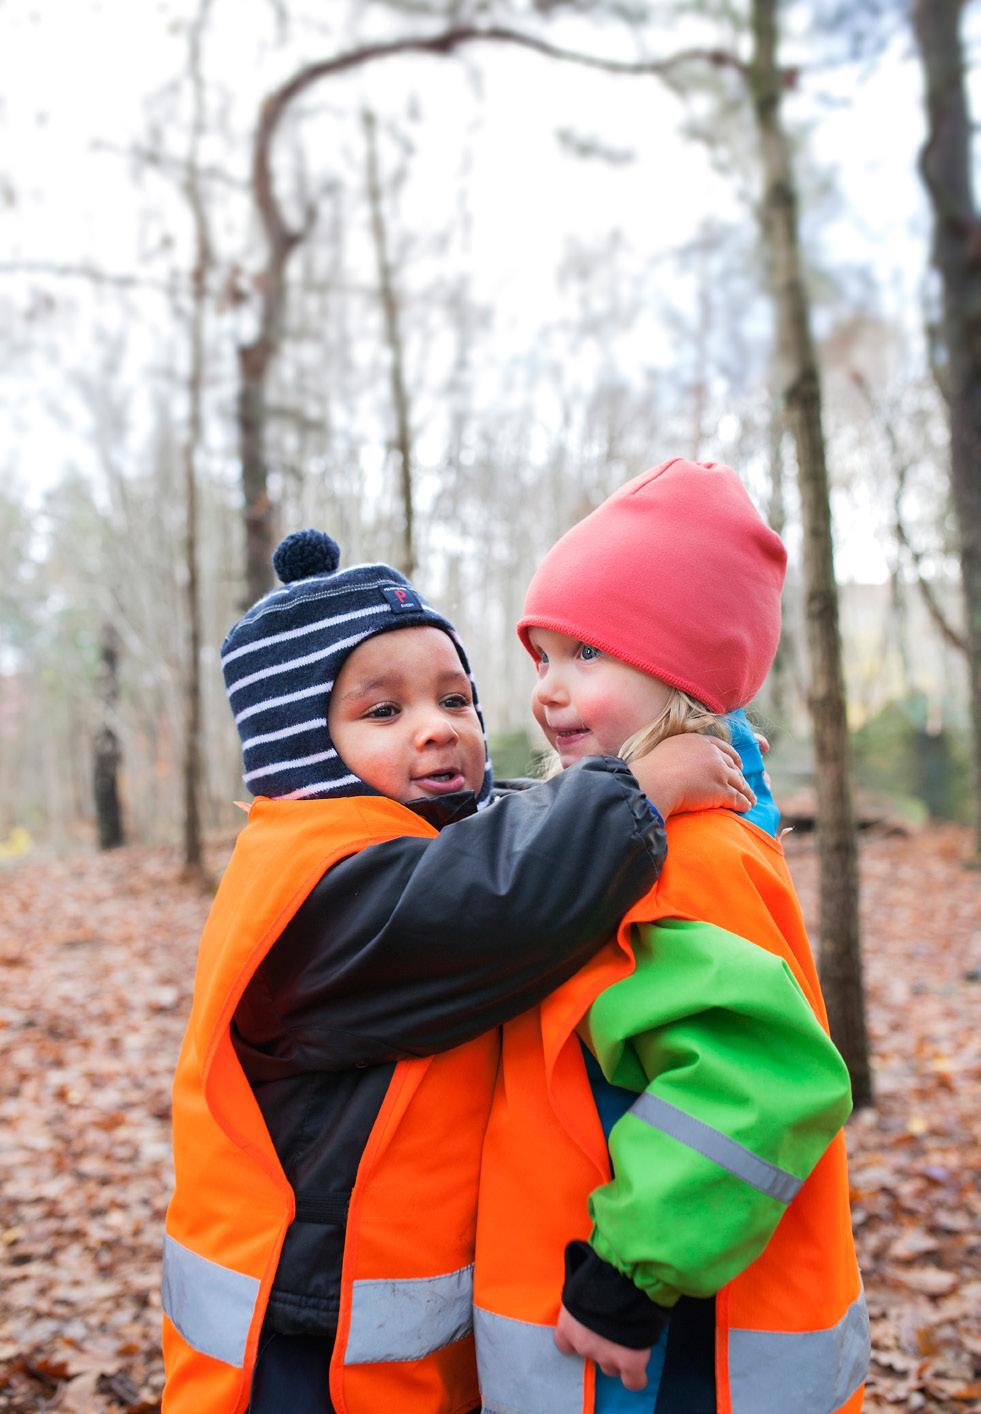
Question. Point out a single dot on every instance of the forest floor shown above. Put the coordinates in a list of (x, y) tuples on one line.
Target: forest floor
[(96, 967)]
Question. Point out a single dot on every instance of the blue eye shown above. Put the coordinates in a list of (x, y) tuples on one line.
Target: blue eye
[(587, 652), (542, 660)]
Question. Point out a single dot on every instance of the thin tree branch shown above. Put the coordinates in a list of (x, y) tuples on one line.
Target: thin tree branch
[(278, 231), (903, 466), (151, 157), (86, 272)]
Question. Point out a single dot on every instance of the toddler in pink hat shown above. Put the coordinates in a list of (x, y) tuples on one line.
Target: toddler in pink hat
[(667, 1124)]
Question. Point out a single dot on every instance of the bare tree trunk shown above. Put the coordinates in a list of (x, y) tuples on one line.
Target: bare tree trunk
[(945, 164), (781, 684), (109, 816), (193, 856), (393, 338), (840, 950), (255, 360)]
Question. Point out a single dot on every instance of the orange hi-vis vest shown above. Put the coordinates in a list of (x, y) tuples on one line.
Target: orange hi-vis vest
[(404, 1339), (791, 1329)]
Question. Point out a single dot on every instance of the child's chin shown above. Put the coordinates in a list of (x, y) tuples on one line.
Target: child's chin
[(576, 751)]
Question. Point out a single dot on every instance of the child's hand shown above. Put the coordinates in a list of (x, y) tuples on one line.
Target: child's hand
[(693, 772), (573, 1338)]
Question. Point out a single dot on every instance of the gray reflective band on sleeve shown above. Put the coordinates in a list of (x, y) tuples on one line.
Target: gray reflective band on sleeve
[(810, 1372), (211, 1305), (520, 1369), (718, 1147), (408, 1319)]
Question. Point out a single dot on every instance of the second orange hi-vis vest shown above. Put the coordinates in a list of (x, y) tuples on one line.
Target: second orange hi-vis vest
[(404, 1339), (791, 1328)]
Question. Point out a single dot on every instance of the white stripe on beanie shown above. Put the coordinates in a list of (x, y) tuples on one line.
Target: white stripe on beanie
[(292, 765), (314, 724), (315, 627), (277, 669), (321, 689), (318, 787)]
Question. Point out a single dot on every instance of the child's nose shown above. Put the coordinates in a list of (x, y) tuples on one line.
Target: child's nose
[(550, 688), (436, 728)]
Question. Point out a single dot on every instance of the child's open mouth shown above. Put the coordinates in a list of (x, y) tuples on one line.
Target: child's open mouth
[(570, 736), (440, 782)]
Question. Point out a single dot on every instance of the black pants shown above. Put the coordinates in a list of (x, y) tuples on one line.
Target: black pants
[(688, 1380), (292, 1376)]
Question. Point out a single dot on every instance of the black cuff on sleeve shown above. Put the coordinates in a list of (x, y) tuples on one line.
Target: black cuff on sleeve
[(608, 1302)]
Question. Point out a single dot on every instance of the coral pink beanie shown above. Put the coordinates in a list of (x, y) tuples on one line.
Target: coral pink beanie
[(677, 574)]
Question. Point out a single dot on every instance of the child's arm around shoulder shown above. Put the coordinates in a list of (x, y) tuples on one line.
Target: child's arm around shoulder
[(416, 945)]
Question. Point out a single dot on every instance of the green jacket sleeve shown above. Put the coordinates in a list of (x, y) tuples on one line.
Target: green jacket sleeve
[(740, 1091)]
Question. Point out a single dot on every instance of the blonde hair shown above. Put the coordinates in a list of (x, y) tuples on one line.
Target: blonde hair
[(679, 715)]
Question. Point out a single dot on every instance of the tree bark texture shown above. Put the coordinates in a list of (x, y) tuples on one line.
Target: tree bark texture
[(945, 165), (781, 673), (107, 755), (840, 947), (193, 855), (391, 314)]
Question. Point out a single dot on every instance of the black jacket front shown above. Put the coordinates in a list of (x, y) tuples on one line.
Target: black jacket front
[(409, 948)]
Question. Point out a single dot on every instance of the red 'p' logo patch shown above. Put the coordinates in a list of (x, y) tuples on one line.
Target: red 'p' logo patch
[(404, 600)]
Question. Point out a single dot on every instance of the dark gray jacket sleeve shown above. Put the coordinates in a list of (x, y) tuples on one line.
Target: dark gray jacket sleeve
[(413, 946)]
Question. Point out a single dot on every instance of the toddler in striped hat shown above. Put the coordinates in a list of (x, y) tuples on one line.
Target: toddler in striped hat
[(283, 659)]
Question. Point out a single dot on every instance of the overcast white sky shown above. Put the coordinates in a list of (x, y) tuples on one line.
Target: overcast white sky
[(79, 71), (74, 73)]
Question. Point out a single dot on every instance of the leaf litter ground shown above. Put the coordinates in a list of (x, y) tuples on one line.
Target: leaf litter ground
[(96, 967)]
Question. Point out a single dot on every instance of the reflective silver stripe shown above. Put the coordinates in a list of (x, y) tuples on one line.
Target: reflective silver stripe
[(520, 1369), (718, 1147), (405, 1320), (211, 1305), (810, 1372)]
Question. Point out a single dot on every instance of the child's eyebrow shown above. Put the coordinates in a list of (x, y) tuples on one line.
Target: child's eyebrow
[(393, 681), (370, 685)]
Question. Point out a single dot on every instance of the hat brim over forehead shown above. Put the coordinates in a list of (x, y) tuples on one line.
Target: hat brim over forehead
[(676, 574)]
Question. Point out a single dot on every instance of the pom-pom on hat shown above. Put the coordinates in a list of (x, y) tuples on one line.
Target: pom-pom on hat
[(281, 659), (304, 554), (677, 574)]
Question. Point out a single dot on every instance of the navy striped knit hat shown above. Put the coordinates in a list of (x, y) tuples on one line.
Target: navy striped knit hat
[(281, 659)]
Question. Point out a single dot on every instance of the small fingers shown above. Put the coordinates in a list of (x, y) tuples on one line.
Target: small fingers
[(727, 749), (633, 1372), (741, 796)]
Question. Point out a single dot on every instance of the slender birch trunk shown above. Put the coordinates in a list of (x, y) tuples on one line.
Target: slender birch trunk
[(193, 854), (840, 947)]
